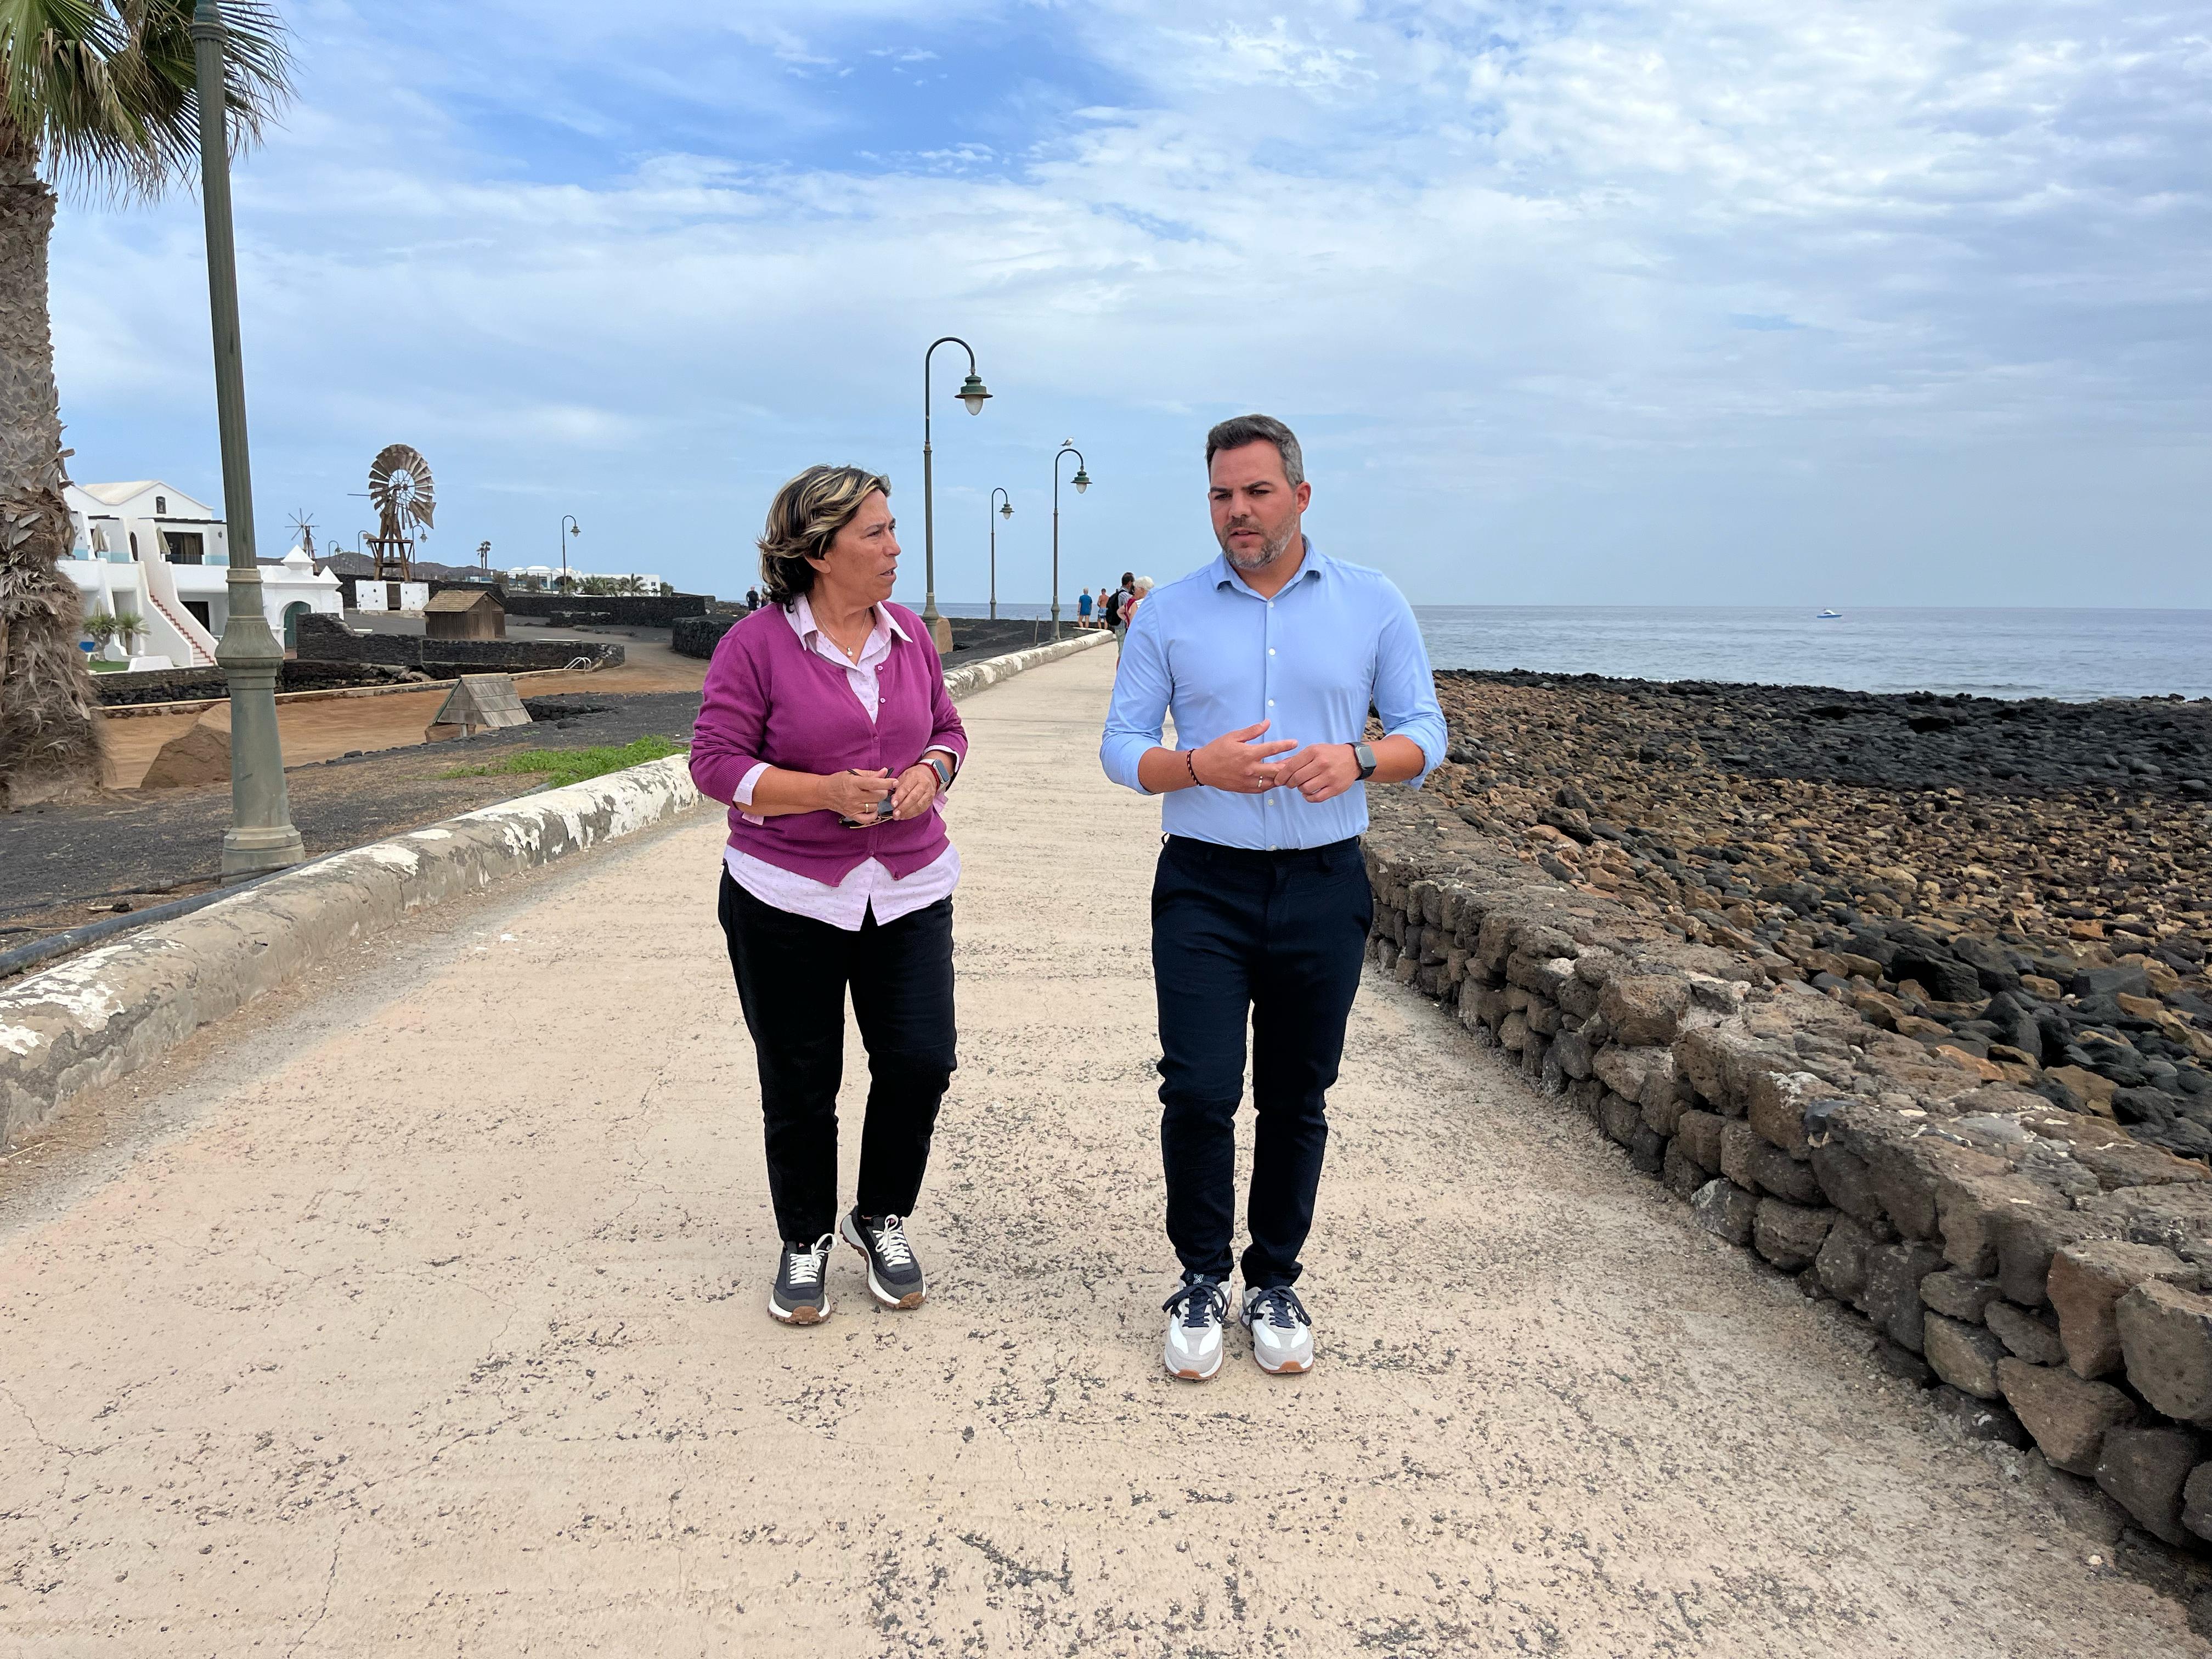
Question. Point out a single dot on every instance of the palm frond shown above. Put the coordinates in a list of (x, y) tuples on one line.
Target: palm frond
[(106, 89)]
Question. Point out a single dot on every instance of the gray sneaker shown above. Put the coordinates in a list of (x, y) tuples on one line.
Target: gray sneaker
[(800, 1295), (1282, 1333), (1195, 1315), (895, 1278)]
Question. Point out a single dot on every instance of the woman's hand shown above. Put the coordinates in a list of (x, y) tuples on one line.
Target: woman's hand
[(917, 788), (854, 794)]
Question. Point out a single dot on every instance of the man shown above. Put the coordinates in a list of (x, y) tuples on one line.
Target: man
[(1268, 659), (1116, 603), (1083, 608)]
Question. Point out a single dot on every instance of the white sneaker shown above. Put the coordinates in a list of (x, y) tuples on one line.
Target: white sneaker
[(1195, 1314), (1282, 1333)]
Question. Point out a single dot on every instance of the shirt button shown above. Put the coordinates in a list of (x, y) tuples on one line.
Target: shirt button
[(1271, 650), (1270, 702)]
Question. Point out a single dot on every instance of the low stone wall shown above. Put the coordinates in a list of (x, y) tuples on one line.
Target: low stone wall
[(622, 609), (185, 685), (328, 639), (2039, 1266), (698, 636)]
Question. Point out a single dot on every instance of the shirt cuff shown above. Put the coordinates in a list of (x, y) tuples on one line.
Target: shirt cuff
[(742, 795)]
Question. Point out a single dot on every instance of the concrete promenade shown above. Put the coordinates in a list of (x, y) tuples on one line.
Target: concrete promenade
[(420, 1312)]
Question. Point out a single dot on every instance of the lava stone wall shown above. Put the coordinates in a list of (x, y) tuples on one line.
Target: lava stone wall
[(2041, 1269), (328, 639)]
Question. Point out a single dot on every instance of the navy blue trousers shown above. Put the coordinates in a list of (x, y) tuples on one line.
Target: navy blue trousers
[(1274, 941)]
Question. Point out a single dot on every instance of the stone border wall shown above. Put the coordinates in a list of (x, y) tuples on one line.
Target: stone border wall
[(2043, 1269), (326, 639)]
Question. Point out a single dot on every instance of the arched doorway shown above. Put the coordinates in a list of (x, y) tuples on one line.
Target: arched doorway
[(293, 612)]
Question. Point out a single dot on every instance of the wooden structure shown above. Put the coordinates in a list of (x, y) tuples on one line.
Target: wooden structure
[(457, 614), (477, 702)]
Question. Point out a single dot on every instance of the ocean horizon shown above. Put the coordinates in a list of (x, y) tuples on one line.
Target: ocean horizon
[(2076, 655)]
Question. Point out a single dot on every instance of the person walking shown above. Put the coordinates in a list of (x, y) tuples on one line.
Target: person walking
[(825, 725), (1083, 608), (752, 600), (1117, 602), (1269, 658), (1142, 587)]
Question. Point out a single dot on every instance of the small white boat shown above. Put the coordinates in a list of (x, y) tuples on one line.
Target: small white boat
[(1829, 616)]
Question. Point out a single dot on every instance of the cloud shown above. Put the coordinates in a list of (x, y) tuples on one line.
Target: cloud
[(1620, 295)]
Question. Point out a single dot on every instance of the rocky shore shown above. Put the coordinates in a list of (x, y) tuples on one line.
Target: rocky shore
[(2021, 887), (1924, 1027)]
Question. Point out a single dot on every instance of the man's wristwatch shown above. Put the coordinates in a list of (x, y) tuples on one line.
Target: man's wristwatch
[(1364, 754)]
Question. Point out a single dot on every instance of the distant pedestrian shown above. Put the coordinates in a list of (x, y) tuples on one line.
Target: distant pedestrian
[(1117, 602), (1082, 608), (752, 600), (824, 722), (1129, 605), (1260, 906)]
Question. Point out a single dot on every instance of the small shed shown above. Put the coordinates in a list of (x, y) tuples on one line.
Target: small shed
[(457, 614)]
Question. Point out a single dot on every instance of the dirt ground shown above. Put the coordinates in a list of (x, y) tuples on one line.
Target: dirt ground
[(419, 1311)]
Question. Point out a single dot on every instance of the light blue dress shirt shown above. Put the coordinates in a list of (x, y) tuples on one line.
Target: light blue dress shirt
[(1216, 655)]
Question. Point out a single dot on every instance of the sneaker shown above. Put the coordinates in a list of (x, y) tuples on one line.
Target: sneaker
[(1282, 1331), (895, 1278), (1196, 1313), (800, 1295)]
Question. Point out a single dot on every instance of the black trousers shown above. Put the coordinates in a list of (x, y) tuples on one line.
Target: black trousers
[(1279, 938), (792, 974)]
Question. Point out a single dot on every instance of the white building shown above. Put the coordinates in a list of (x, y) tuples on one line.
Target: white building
[(546, 579), (147, 549)]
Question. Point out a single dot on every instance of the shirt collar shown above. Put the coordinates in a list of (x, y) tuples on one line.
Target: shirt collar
[(1313, 566), (801, 618)]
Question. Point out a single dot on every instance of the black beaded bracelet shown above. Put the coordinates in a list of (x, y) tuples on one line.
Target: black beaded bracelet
[(1190, 759)]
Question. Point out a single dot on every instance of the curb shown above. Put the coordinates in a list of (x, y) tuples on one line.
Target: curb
[(104, 1013)]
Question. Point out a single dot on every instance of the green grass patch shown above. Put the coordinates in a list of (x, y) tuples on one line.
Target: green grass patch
[(563, 766)]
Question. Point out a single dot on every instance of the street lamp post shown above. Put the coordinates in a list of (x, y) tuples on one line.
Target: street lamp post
[(972, 393), (569, 527), (1082, 481), (261, 836), (1005, 511)]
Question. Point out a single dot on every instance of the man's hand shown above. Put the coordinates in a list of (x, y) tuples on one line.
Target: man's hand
[(917, 788), (1235, 761), (853, 795), (1320, 771)]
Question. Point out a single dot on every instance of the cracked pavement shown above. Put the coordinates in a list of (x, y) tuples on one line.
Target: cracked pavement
[(420, 1310)]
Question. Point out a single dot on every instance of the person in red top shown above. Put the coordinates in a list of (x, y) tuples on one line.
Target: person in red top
[(825, 724)]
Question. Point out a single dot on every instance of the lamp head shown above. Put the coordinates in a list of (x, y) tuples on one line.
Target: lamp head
[(1006, 510), (972, 393), (1081, 481)]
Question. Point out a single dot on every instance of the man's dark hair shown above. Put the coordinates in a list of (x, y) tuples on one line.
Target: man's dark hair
[(1241, 430), (1128, 579)]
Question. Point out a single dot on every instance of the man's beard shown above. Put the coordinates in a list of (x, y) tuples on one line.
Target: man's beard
[(1268, 553)]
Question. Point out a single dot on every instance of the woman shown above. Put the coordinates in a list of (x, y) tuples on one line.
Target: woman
[(824, 723), (1143, 585)]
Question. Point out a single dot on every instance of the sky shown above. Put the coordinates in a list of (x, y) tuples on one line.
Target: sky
[(1712, 302)]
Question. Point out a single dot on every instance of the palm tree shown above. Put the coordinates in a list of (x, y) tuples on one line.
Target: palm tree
[(99, 95)]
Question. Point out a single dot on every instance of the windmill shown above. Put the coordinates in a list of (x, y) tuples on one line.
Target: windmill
[(303, 533), (399, 483)]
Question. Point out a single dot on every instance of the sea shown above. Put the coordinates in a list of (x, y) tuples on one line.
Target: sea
[(2076, 656)]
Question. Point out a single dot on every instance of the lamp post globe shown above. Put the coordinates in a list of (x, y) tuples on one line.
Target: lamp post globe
[(973, 392)]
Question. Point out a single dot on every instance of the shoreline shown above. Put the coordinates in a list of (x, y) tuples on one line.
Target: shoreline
[(2024, 883)]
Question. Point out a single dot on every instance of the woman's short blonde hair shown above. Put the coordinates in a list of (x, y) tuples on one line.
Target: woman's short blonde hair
[(804, 519)]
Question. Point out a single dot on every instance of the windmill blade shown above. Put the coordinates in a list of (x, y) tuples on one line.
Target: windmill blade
[(399, 483)]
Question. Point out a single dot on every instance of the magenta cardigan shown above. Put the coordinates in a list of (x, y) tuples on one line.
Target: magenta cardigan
[(768, 698)]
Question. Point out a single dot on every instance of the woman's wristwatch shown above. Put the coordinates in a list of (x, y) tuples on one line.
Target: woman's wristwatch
[(1364, 754), (943, 772)]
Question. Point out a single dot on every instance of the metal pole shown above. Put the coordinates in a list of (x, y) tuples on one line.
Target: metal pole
[(1065, 449), (993, 517), (939, 630), (261, 835), (567, 518)]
